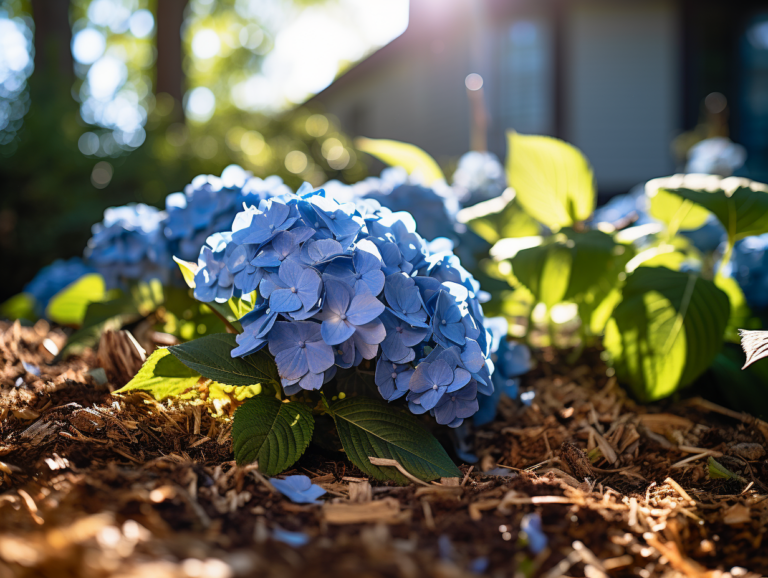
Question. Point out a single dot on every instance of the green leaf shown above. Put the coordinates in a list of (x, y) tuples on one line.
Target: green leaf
[(68, 306), (499, 218), (239, 392), (163, 376), (739, 204), (370, 427), (211, 356), (400, 154), (351, 382), (552, 179), (677, 213), (741, 315), (718, 471), (188, 271), (570, 266), (666, 331), (271, 432), (20, 306)]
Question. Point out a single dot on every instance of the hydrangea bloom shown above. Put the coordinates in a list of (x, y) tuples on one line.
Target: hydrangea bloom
[(128, 245), (53, 278), (749, 266), (343, 282), (479, 177)]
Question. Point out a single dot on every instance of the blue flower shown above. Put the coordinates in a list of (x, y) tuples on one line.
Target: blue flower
[(293, 288), (401, 337), (298, 489), (432, 380), (392, 379), (213, 281), (128, 245), (537, 539), (479, 176), (458, 405), (447, 323), (364, 268), (266, 222), (345, 313), (256, 326), (404, 299), (301, 355), (53, 278)]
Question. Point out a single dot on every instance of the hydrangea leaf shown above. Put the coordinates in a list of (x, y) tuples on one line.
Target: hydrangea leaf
[(739, 204), (741, 315), (570, 266), (666, 331), (499, 218), (20, 306), (400, 154), (373, 428), (162, 375), (69, 305), (211, 357), (271, 432), (552, 179), (188, 271), (742, 389), (677, 213), (239, 392)]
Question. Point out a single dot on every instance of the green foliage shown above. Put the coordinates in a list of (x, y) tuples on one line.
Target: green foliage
[(741, 389), (373, 428), (677, 213), (739, 204), (272, 433), (163, 376), (407, 156), (741, 315), (188, 271), (666, 331), (552, 179), (718, 471), (211, 357), (69, 306), (20, 306), (499, 218)]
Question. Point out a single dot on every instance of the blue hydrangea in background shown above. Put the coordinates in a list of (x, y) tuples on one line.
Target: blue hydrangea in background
[(342, 282), (749, 266), (479, 177), (53, 278), (128, 245)]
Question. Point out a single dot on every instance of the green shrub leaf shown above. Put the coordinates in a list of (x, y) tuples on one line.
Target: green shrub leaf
[(373, 428), (742, 389), (400, 154), (666, 331), (20, 306), (552, 179), (739, 204), (162, 375), (188, 271), (677, 213), (499, 218), (271, 432), (211, 356), (741, 315), (68, 306)]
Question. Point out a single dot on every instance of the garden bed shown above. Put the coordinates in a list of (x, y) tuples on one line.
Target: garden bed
[(96, 485)]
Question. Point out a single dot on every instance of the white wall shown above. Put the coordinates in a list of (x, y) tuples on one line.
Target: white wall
[(621, 87)]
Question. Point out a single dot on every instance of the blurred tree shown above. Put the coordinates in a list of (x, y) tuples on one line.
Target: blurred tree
[(170, 71)]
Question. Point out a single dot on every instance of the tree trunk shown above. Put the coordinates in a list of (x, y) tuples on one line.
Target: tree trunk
[(170, 71), (53, 34)]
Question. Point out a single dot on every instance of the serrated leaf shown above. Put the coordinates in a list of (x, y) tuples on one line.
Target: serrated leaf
[(211, 357), (370, 427), (739, 204), (499, 218), (188, 271), (552, 179), (68, 306), (271, 432), (400, 154), (163, 376), (666, 331)]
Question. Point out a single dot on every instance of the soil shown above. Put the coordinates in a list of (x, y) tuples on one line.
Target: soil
[(93, 484)]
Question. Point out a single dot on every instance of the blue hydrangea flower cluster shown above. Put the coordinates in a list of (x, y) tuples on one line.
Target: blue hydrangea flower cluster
[(138, 242), (749, 266), (339, 283), (479, 176), (53, 278), (129, 245)]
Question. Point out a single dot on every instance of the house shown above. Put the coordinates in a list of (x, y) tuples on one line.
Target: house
[(620, 79)]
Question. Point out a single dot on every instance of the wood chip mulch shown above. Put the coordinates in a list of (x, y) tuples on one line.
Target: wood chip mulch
[(100, 486)]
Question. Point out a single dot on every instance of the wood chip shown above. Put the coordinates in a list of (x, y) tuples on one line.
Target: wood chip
[(386, 511)]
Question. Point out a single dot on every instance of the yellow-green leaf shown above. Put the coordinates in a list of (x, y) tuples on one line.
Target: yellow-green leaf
[(400, 154), (552, 179), (68, 305), (162, 375), (188, 271)]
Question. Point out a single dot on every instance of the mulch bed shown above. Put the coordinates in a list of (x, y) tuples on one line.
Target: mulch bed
[(97, 485)]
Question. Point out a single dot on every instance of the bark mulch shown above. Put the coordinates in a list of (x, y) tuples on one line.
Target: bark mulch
[(97, 485)]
